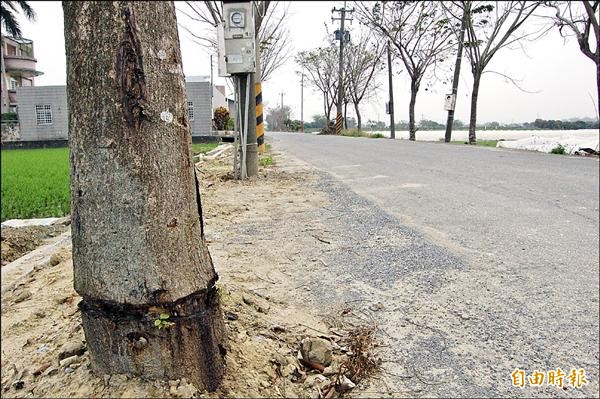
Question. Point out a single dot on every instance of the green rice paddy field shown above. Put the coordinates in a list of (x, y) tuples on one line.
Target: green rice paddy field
[(35, 183)]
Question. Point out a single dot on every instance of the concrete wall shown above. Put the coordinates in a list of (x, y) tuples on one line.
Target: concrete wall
[(28, 98), (56, 96)]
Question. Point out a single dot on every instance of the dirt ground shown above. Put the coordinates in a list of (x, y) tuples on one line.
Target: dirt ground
[(18, 242), (265, 315)]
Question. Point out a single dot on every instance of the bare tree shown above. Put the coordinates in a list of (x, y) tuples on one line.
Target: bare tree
[(490, 27), (141, 265), (362, 65), (320, 67), (277, 117), (418, 31), (272, 34), (580, 18)]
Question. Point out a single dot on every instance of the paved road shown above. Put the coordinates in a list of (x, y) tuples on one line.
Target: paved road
[(486, 260)]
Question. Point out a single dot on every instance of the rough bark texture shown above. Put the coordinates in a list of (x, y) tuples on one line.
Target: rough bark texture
[(411, 112), (358, 117), (138, 242), (473, 120)]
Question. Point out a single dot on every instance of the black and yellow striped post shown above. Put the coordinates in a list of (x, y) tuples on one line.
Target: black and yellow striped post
[(260, 126), (338, 123)]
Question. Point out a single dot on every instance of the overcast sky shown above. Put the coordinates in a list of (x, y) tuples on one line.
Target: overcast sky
[(562, 77)]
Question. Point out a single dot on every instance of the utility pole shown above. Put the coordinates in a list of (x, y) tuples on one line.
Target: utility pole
[(342, 37), (450, 121), (282, 93), (302, 102), (391, 103), (212, 93)]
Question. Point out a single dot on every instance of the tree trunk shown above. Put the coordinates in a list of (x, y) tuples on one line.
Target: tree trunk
[(358, 117), (414, 89), (473, 120), (138, 240)]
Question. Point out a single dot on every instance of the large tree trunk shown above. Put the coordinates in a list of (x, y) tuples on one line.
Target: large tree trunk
[(473, 120), (414, 89), (138, 240), (358, 117)]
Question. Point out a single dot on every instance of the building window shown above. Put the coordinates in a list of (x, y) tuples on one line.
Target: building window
[(43, 114), (190, 110), (13, 84)]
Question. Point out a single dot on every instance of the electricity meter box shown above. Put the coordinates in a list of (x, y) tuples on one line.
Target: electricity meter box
[(238, 37)]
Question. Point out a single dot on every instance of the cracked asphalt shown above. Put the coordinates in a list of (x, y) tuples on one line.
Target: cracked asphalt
[(485, 260)]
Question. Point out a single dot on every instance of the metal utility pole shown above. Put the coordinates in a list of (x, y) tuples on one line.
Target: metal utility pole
[(281, 94), (391, 89), (342, 37), (212, 93), (302, 102), (450, 121)]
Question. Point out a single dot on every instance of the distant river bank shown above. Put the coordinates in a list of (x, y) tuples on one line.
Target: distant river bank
[(437, 135)]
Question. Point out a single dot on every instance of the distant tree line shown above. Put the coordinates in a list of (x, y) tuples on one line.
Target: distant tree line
[(427, 124)]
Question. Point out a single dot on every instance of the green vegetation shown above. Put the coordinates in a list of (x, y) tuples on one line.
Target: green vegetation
[(203, 148), (558, 150), (35, 183), (360, 133), (9, 116), (266, 160), (163, 321), (482, 143)]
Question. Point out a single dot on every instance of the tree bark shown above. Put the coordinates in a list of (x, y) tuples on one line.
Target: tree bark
[(414, 89), (473, 120), (138, 239), (358, 117), (345, 115)]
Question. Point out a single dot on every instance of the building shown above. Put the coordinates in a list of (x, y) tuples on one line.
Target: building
[(43, 112), (18, 69)]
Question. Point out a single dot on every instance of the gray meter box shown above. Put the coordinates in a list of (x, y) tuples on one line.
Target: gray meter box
[(238, 38)]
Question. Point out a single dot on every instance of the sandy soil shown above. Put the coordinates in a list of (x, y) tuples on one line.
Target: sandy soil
[(17, 242), (265, 315)]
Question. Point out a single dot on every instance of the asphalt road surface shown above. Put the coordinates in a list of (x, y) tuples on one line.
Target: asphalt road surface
[(485, 260)]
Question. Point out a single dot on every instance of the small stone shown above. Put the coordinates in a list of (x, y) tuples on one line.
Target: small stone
[(69, 370), (186, 391), (52, 372), (68, 361), (22, 295), (40, 314), (231, 316), (376, 307), (117, 380), (70, 349), (42, 348), (247, 300), (316, 350), (278, 329), (345, 385), (264, 384)]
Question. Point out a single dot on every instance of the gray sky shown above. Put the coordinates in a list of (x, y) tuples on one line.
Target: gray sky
[(562, 76)]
